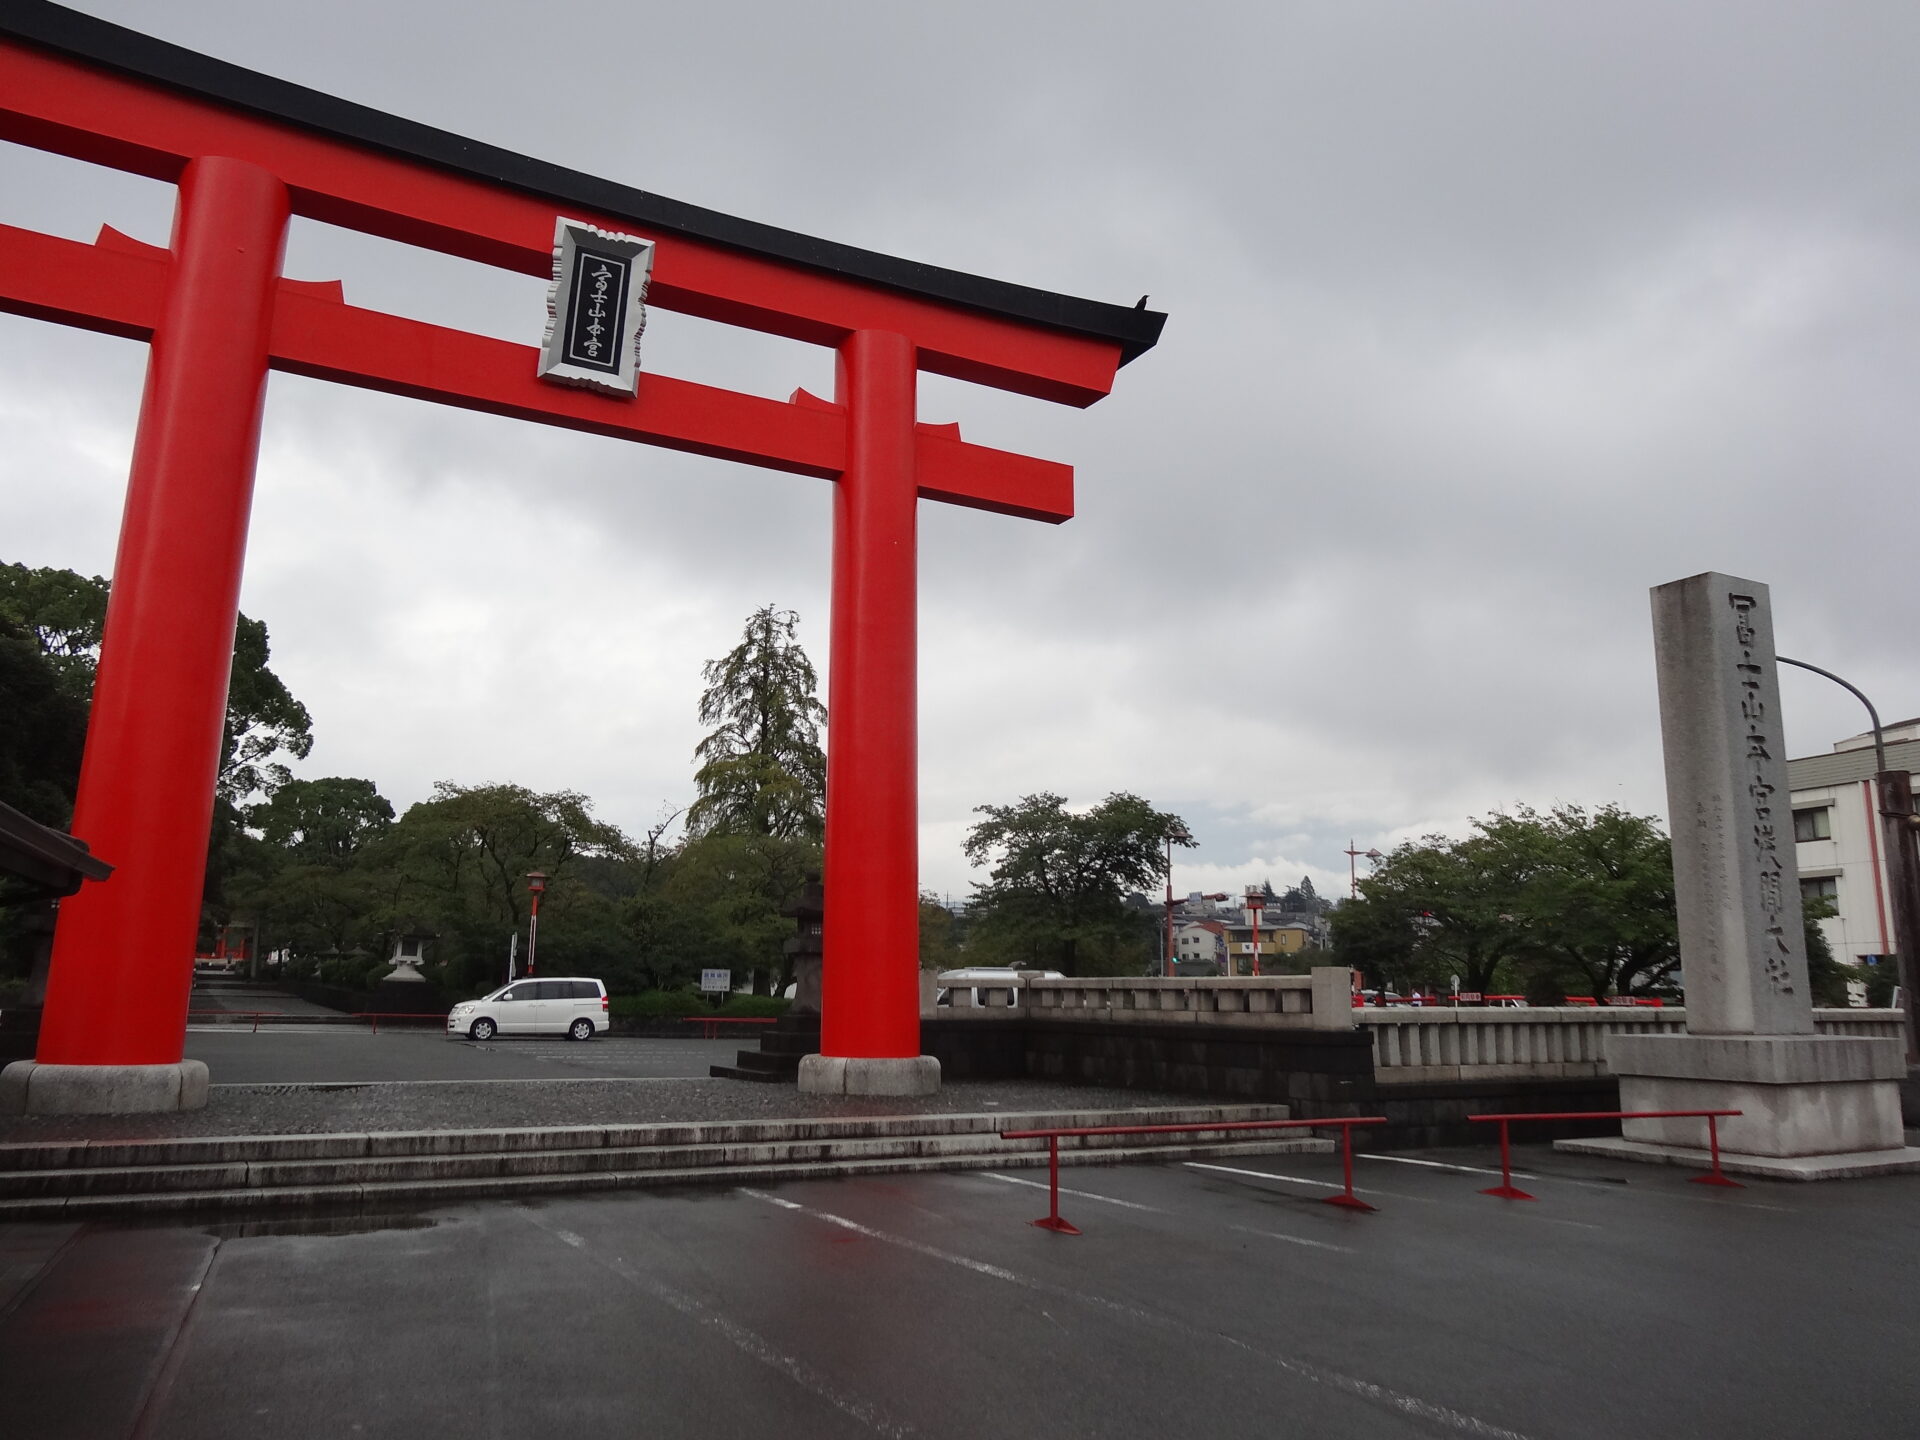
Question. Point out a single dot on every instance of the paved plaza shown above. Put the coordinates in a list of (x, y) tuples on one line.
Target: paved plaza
[(1203, 1300)]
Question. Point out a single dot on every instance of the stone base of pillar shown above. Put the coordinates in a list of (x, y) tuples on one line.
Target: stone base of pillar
[(29, 1088), (1800, 1096), (834, 1075)]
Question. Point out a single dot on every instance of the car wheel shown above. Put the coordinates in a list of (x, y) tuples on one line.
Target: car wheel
[(482, 1029), (581, 1029)]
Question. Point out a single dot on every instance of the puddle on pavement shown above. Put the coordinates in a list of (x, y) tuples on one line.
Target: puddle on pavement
[(319, 1225)]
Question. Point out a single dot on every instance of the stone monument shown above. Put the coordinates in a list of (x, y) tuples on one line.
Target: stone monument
[(1812, 1106)]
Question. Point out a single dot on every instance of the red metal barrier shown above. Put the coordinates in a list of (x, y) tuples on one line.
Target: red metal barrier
[(1054, 1221), (1507, 1190), (254, 1015), (709, 1024)]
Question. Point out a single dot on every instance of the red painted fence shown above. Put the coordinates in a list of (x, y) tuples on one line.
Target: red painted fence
[(1053, 1221), (1506, 1189)]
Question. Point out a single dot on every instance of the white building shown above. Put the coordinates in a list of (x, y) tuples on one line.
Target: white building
[(1840, 844), (1200, 941)]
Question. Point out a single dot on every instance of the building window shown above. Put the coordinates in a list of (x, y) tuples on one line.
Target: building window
[(1820, 887), (1813, 824)]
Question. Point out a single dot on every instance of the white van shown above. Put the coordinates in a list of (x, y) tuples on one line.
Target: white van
[(576, 1008)]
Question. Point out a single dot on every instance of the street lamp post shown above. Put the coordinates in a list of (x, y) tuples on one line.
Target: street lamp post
[(536, 887), (1354, 856), (1181, 835), (1256, 901), (1900, 829), (1353, 867)]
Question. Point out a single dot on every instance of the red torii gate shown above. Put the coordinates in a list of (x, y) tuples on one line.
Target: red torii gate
[(248, 151)]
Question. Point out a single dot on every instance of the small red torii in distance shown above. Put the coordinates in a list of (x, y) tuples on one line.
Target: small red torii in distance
[(247, 152)]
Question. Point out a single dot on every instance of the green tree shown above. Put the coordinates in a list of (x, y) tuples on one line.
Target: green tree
[(43, 734), (1827, 976), (939, 935), (64, 613), (456, 865), (1056, 896), (723, 903), (762, 771), (1566, 900), (1596, 895), (325, 820), (263, 720)]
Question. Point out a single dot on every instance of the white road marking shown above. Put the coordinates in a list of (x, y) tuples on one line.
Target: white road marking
[(1303, 1180), (1409, 1405), (743, 1339), (1442, 1165), (1293, 1239), (1077, 1194)]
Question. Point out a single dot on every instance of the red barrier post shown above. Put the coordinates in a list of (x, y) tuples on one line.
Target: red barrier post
[(1052, 1220), (1715, 1176), (1506, 1189), (1347, 1200)]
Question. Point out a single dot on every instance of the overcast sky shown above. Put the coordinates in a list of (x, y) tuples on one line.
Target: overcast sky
[(1485, 317)]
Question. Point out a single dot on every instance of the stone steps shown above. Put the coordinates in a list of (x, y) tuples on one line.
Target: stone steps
[(263, 1173)]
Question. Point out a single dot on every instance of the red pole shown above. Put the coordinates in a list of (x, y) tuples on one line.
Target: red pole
[(1715, 1176), (1347, 1200), (1053, 1220), (117, 993), (870, 996), (1506, 1188)]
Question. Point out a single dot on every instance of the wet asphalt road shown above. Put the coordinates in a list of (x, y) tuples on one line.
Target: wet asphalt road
[(1202, 1301)]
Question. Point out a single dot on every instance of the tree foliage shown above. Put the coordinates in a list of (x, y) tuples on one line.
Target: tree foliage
[(263, 720), (1570, 900), (65, 615), (1056, 896), (762, 771), (43, 733)]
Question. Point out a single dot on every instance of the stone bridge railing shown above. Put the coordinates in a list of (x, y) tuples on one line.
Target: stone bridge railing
[(1410, 1046), (1540, 1043), (1320, 1001)]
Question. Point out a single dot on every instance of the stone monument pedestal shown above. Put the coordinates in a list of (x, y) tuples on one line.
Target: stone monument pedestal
[(1812, 1107)]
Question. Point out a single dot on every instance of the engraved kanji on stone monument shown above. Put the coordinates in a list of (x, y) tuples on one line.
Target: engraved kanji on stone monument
[(596, 308)]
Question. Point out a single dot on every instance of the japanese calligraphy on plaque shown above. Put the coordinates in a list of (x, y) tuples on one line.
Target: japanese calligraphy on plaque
[(596, 308)]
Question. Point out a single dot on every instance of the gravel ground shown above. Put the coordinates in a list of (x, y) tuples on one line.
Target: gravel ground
[(503, 1104)]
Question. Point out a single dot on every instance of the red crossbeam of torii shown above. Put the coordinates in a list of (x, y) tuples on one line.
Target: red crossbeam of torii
[(247, 152)]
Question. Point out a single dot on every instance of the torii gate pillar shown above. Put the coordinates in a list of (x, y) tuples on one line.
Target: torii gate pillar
[(870, 993)]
